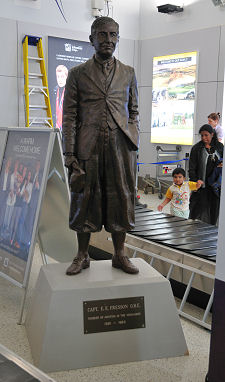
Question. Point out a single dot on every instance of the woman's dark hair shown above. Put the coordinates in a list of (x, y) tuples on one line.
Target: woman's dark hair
[(178, 170), (214, 116), (210, 130), (206, 127)]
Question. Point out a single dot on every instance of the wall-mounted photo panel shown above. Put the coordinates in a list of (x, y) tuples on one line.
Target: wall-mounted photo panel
[(21, 187), (63, 54), (173, 98)]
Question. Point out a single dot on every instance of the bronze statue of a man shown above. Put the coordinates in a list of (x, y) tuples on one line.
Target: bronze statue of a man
[(100, 139)]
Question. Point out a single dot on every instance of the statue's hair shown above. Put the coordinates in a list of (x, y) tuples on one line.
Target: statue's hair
[(101, 21)]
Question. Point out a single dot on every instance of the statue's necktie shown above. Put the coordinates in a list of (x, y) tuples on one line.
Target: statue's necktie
[(105, 69)]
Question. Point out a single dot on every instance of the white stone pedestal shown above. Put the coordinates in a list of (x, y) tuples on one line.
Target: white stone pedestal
[(55, 321)]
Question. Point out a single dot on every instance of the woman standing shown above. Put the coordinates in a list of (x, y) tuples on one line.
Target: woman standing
[(204, 158), (213, 120)]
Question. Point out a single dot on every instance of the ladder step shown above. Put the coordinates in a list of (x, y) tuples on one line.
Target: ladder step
[(35, 58), (35, 75), (38, 90), (37, 87), (33, 122), (39, 119), (37, 107), (39, 124)]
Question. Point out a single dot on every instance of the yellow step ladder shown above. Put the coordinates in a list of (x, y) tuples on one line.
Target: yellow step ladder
[(37, 113)]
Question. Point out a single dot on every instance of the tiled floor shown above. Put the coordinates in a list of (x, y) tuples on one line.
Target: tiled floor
[(192, 368)]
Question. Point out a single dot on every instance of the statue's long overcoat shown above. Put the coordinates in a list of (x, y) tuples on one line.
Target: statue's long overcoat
[(100, 127)]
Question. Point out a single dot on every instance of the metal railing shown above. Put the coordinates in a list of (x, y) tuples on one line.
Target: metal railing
[(192, 270)]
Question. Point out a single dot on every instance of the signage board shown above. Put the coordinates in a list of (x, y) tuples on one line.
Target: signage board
[(21, 187), (113, 314), (173, 98), (63, 54)]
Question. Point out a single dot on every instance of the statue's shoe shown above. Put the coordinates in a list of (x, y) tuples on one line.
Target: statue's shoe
[(124, 263), (77, 265)]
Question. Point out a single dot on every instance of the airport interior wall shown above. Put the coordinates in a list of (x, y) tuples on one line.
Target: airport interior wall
[(210, 45)]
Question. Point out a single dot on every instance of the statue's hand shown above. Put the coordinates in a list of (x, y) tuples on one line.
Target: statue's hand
[(77, 176), (71, 161)]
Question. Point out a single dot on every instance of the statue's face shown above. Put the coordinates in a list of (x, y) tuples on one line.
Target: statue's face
[(105, 39)]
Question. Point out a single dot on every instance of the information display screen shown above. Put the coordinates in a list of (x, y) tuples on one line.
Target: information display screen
[(173, 98)]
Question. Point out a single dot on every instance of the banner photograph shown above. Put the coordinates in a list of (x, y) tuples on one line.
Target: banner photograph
[(173, 98), (21, 180), (63, 54)]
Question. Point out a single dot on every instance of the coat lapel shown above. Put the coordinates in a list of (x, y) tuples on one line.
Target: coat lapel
[(97, 77), (94, 75), (116, 74)]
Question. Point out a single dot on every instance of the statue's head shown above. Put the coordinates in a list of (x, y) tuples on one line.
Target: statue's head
[(104, 36)]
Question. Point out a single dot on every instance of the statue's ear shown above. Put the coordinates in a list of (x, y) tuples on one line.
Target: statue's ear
[(91, 39)]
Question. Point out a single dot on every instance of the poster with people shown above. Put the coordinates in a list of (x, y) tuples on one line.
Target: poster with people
[(173, 98), (63, 54), (21, 179)]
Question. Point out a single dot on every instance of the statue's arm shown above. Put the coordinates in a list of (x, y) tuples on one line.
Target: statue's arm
[(69, 124), (133, 102)]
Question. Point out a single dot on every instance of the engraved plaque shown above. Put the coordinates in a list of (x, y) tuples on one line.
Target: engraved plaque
[(113, 314)]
